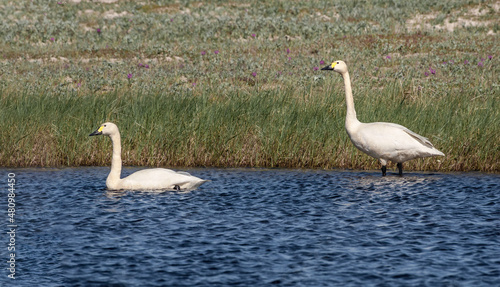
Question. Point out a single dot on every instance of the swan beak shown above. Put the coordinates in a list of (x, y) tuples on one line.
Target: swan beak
[(97, 132), (328, 68)]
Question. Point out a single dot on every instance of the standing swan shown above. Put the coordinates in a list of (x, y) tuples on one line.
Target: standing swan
[(147, 179), (385, 141)]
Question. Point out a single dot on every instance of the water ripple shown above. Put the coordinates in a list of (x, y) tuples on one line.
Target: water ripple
[(258, 227)]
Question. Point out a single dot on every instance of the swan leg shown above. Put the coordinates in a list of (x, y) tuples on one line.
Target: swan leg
[(177, 187), (384, 169), (400, 167)]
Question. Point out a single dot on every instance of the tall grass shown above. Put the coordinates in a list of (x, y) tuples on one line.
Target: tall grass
[(237, 83), (275, 128)]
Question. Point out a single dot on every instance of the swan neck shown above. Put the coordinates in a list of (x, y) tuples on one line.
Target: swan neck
[(116, 160), (351, 112)]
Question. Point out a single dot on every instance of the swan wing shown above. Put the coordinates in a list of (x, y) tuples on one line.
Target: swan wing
[(160, 178), (423, 140), (184, 173), (391, 142)]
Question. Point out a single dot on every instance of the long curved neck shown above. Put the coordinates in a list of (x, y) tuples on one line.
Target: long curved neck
[(350, 118), (116, 161)]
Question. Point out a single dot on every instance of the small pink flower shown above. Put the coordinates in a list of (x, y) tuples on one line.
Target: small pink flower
[(480, 64), (466, 62), (388, 57), (289, 58), (98, 30), (432, 71), (321, 62), (426, 74), (315, 68), (287, 51), (129, 76), (203, 53), (254, 74), (146, 66), (52, 39), (253, 35), (216, 52), (490, 57), (194, 84)]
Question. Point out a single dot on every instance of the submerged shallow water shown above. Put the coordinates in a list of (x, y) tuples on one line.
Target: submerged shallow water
[(257, 227)]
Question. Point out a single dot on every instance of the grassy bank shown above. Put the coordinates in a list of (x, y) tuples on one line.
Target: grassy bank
[(237, 84)]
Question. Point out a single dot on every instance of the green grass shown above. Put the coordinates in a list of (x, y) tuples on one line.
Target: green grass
[(260, 101)]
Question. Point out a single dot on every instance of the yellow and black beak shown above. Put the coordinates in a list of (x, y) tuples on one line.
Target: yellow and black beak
[(329, 67), (97, 132)]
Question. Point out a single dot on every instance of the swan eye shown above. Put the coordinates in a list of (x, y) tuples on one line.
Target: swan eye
[(338, 63)]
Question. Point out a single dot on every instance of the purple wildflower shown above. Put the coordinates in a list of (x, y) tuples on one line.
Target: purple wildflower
[(146, 66), (79, 84), (426, 74), (466, 62), (254, 74), (482, 59), (253, 35), (433, 71), (194, 84), (140, 65), (287, 51), (490, 57), (315, 68), (52, 39), (388, 57), (289, 58), (480, 64), (321, 62), (98, 30), (216, 52), (203, 53), (129, 76), (171, 19)]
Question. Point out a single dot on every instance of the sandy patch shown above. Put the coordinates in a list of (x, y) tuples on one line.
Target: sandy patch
[(111, 14), (455, 20)]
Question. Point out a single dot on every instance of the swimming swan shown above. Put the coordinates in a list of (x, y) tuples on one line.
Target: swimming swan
[(384, 141), (147, 179)]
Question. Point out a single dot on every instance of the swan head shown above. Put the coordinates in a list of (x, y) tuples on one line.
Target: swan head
[(337, 66), (105, 129)]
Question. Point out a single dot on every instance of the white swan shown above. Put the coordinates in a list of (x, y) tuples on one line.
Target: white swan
[(385, 141), (147, 179)]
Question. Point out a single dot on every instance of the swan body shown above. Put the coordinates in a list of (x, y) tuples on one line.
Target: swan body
[(147, 179), (384, 141)]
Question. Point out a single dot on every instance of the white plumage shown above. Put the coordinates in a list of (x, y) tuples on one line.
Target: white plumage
[(384, 141), (147, 179)]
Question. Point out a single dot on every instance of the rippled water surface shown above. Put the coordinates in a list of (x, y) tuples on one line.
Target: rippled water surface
[(257, 227)]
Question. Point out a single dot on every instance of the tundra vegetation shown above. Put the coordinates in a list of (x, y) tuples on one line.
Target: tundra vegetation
[(238, 83)]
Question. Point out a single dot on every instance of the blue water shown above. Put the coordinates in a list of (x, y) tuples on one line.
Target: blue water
[(257, 227)]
